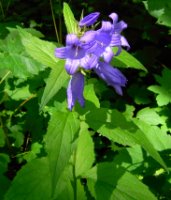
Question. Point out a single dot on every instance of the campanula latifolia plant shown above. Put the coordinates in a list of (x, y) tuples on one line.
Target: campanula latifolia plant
[(90, 49)]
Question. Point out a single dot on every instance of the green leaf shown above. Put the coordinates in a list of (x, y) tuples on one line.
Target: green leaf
[(90, 95), (84, 153), (160, 10), (113, 125), (61, 132), (32, 154), (14, 58), (56, 80), (126, 60), (163, 91), (41, 50), (150, 116), (106, 181), (158, 138), (69, 19), (33, 181)]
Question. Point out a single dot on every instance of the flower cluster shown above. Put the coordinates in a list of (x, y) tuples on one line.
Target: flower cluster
[(91, 49)]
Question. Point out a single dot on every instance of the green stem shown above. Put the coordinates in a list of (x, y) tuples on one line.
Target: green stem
[(54, 22), (6, 137), (74, 177), (2, 10), (4, 77)]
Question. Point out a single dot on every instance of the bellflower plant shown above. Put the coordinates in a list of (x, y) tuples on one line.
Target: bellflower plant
[(91, 50)]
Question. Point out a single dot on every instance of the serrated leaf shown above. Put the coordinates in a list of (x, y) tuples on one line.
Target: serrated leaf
[(126, 60), (14, 58), (163, 91), (159, 139), (106, 181), (58, 141), (113, 125), (69, 19), (41, 50), (84, 153), (161, 10), (150, 116), (57, 78)]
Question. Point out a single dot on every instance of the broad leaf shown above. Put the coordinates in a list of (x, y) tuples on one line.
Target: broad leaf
[(158, 138), (62, 130), (163, 91), (84, 152), (14, 57), (57, 78), (106, 181), (113, 125), (150, 116), (126, 60), (70, 21), (161, 10), (42, 51), (33, 181)]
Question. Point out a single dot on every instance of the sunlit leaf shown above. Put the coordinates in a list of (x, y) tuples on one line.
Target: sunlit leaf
[(126, 60), (62, 130), (57, 78), (41, 50), (84, 152), (70, 21), (106, 181)]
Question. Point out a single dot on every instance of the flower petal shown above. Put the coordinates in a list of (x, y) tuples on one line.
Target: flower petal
[(71, 65), (108, 54), (72, 39), (120, 26), (111, 76), (89, 61), (114, 17), (106, 26), (62, 52), (75, 90), (89, 19), (124, 42)]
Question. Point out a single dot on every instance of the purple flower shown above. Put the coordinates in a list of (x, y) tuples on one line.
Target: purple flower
[(109, 35), (111, 76), (76, 52), (89, 19), (75, 90)]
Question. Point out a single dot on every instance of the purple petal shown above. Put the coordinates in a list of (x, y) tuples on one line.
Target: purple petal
[(108, 54), (89, 19), (114, 17), (72, 39), (71, 66), (62, 52), (111, 76), (89, 61), (106, 26), (124, 42), (116, 40), (120, 26), (75, 90)]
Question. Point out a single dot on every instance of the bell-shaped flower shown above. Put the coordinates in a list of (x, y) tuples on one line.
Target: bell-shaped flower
[(89, 19), (76, 52), (111, 76), (75, 90)]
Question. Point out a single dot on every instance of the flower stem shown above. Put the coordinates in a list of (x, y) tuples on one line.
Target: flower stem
[(54, 22)]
